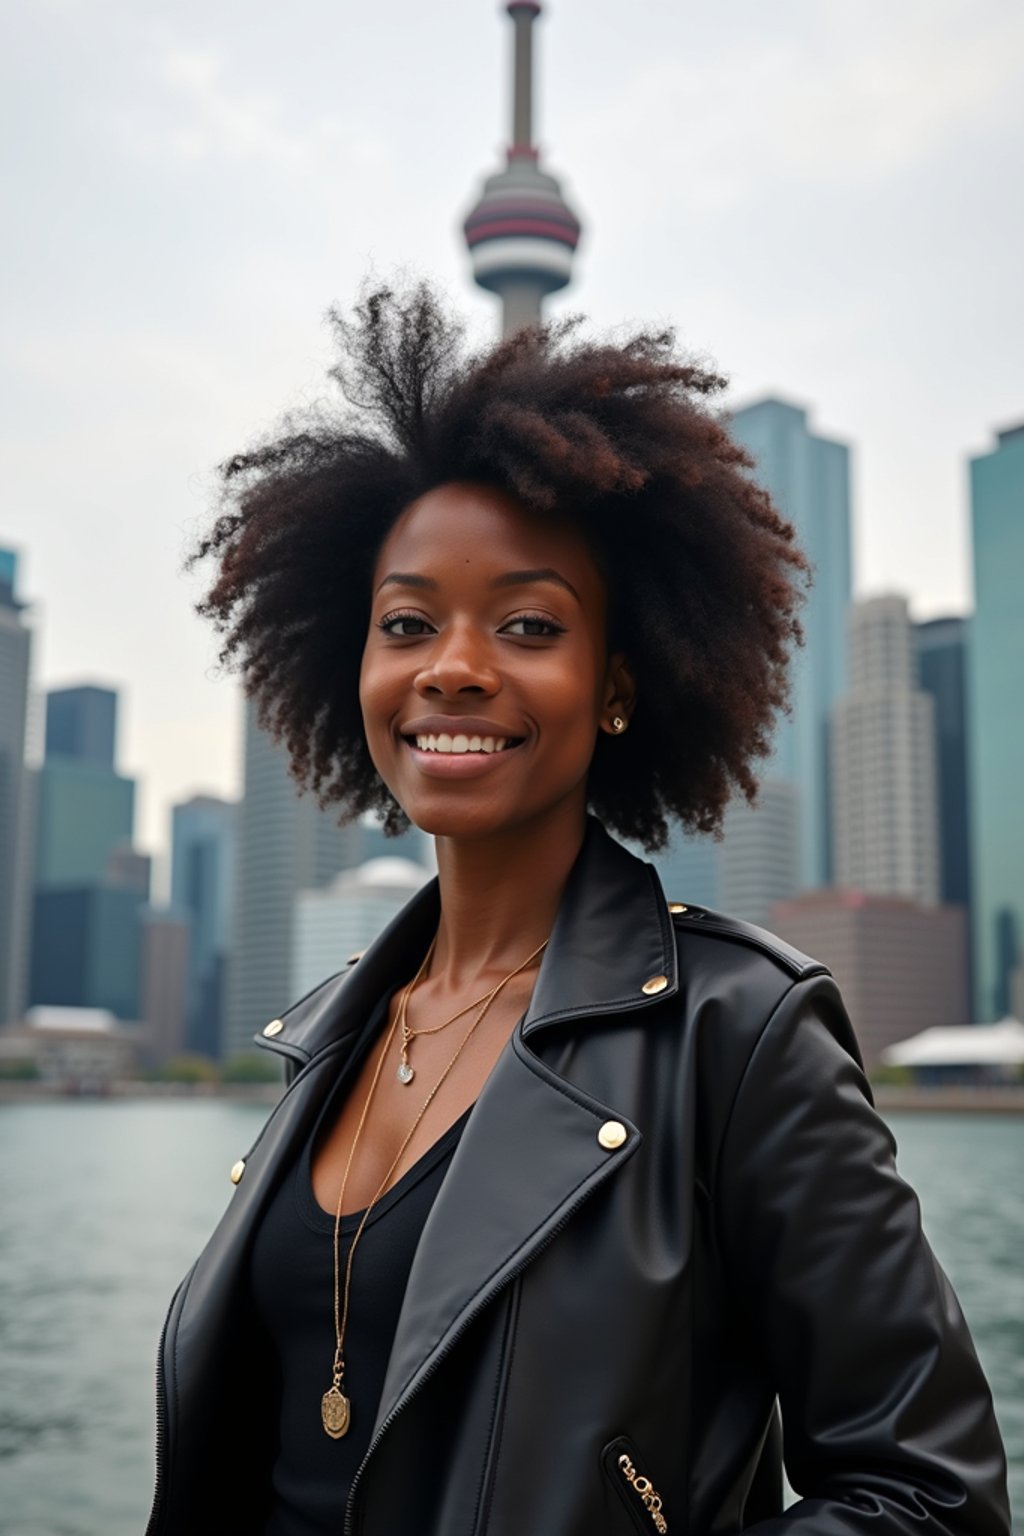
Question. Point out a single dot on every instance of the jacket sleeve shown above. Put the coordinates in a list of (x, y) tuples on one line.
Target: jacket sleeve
[(887, 1418)]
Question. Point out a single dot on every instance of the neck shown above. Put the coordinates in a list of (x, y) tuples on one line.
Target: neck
[(500, 895)]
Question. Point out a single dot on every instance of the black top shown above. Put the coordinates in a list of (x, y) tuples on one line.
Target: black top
[(293, 1292)]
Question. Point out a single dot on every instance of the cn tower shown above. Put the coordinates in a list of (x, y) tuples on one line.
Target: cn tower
[(522, 233)]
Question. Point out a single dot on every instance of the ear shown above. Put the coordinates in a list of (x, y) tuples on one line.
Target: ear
[(619, 695)]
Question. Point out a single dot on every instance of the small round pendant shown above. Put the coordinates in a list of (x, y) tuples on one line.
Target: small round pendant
[(405, 1073), (336, 1411)]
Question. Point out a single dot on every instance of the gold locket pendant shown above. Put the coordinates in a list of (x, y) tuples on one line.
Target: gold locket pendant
[(336, 1412)]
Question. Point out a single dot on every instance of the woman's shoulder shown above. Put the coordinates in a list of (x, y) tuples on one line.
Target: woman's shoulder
[(744, 987), (730, 942)]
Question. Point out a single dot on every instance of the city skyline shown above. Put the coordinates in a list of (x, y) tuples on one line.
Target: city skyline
[(187, 210)]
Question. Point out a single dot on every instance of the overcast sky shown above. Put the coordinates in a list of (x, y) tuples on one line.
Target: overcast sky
[(824, 196)]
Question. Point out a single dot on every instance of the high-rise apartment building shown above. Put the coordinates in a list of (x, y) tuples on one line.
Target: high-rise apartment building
[(883, 762), (996, 722), (203, 855), (15, 838)]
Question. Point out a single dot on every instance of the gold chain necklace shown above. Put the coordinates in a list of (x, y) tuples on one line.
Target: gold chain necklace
[(405, 1071), (336, 1405)]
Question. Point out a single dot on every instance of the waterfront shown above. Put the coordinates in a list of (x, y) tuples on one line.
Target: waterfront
[(104, 1204)]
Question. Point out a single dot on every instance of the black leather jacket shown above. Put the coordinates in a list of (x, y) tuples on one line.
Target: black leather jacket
[(596, 1340)]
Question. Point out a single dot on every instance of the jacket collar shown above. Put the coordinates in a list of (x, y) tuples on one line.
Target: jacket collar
[(611, 940)]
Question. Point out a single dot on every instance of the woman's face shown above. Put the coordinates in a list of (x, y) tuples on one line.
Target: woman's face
[(485, 674)]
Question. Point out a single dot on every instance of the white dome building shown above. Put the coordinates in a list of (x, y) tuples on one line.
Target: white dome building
[(333, 921)]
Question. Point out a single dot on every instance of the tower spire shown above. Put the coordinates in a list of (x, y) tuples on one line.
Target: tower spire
[(522, 234)]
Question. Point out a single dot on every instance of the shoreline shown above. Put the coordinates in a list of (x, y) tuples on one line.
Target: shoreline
[(947, 1099)]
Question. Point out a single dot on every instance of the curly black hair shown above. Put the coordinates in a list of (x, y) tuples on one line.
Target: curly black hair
[(613, 437)]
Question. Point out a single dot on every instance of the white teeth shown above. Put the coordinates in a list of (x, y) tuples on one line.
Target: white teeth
[(460, 743)]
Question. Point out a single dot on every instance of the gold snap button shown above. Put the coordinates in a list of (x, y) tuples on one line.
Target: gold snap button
[(655, 984), (273, 1028), (677, 906), (237, 1171), (612, 1134)]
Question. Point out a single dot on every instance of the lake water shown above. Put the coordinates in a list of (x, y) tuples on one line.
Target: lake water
[(104, 1205)]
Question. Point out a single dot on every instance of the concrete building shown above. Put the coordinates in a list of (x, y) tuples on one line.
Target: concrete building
[(203, 857), (344, 917), (163, 981), (15, 793), (522, 234), (901, 966), (808, 477), (74, 1050), (996, 722), (885, 824)]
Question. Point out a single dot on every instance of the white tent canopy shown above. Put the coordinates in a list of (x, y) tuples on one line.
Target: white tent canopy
[(999, 1044)]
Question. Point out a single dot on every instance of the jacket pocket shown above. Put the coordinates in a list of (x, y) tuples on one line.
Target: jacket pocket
[(627, 1473)]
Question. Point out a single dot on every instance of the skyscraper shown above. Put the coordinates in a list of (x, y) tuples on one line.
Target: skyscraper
[(286, 844), (808, 477), (90, 884), (883, 762), (86, 808), (15, 840), (759, 857), (996, 730), (522, 234), (81, 723), (941, 668), (203, 854)]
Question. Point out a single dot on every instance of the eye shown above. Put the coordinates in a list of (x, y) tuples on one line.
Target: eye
[(404, 625), (532, 626)]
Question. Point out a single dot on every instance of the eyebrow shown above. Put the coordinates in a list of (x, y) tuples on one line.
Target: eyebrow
[(507, 579)]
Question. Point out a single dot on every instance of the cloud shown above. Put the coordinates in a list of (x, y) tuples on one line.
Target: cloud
[(857, 95)]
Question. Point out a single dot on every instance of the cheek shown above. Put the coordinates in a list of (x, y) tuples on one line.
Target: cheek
[(374, 701)]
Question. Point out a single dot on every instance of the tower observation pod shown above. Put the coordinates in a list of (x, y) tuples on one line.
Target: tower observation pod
[(522, 233)]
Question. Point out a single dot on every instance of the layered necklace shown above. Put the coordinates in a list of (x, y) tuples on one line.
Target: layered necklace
[(336, 1404)]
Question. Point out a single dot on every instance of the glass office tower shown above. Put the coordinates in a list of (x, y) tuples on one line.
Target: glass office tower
[(996, 735)]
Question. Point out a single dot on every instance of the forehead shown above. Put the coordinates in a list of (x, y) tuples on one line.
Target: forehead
[(464, 529)]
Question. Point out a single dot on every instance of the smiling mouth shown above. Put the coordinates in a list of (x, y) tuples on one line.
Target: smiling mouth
[(461, 744)]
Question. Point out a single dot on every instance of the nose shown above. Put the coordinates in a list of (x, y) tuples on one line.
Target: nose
[(460, 661)]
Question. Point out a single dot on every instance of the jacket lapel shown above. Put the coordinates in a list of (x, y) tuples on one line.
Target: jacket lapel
[(529, 1155)]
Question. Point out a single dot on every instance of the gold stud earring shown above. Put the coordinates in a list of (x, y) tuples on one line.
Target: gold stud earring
[(618, 724)]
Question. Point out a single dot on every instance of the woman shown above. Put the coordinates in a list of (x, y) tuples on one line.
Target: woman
[(573, 1189)]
